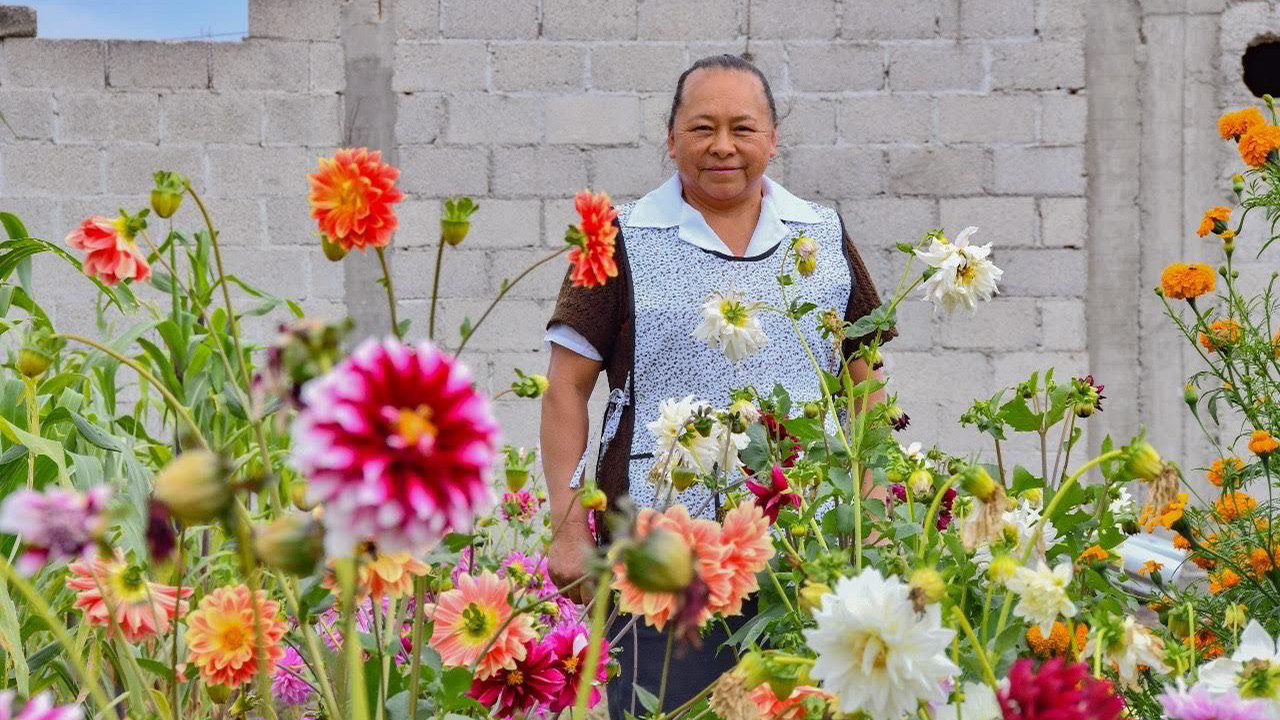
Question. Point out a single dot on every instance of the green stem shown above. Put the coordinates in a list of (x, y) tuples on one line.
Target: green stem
[(391, 291), (506, 287), (33, 426), (182, 541), (312, 645), (358, 695), (666, 666), (778, 586), (988, 676), (415, 662), (587, 674), (435, 293)]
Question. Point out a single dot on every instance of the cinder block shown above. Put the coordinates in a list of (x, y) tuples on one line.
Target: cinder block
[(953, 379), (274, 65), (1042, 65), (211, 117), (830, 173), (1064, 222), (593, 119), (520, 422), (418, 19), (502, 368), (862, 119), (653, 117), (59, 64), (39, 215), (134, 64), (630, 171), (289, 222), (589, 19), (294, 19), (1002, 324), (1062, 325), (543, 283), (109, 117), (50, 170), (517, 325), (1061, 19), (1004, 221), (631, 67), (29, 114), (464, 274), (916, 325), (1016, 367), (837, 67), (240, 221), (419, 118), (131, 168), (260, 171), (804, 120), (689, 19), (490, 19), (885, 221), (997, 18), (557, 215), (312, 120), (327, 73), (437, 66), (538, 66), (17, 21), (794, 20), (1064, 118), (538, 171), (1042, 272), (281, 271), (936, 67), (494, 118), (1040, 170), (874, 20), (955, 170), (328, 279), (419, 222), (505, 224), (439, 171), (987, 118)]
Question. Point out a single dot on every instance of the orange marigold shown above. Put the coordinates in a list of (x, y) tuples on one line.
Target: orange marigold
[(1208, 646), (1275, 345), (1094, 554), (1181, 542), (1223, 333), (1234, 124), (1150, 566), (1262, 561), (1257, 144), (1224, 468), (221, 640), (1183, 281), (351, 197), (1058, 644), (1234, 505), (594, 241), (1213, 216), (1261, 443), (1224, 580), (1163, 517)]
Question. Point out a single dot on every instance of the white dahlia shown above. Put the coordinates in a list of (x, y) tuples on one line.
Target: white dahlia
[(1253, 670), (964, 274), (1042, 594), (692, 449), (979, 703), (875, 652), (1020, 523), (731, 324), (1135, 645)]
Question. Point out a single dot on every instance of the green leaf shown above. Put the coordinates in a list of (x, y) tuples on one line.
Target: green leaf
[(11, 639), (40, 446), (1023, 480), (95, 435), (13, 226), (1018, 416), (647, 699), (838, 520), (398, 708), (455, 681)]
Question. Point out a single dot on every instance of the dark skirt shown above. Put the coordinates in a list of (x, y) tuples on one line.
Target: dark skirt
[(692, 669)]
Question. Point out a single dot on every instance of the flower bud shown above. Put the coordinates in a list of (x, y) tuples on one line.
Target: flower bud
[(516, 478), (166, 196), (682, 477), (811, 595), (905, 247), (298, 494), (456, 220), (529, 386), (1142, 461), (661, 562), (753, 669), (897, 417), (812, 410), (442, 584), (978, 482), (798, 530), (921, 481), (293, 543), (1237, 183), (1189, 395), (194, 486), (593, 498), (1235, 616), (39, 348), (1002, 568), (1033, 496), (219, 694), (927, 586), (332, 250), (32, 362)]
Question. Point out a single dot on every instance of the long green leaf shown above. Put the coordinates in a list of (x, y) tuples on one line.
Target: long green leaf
[(40, 446), (11, 639)]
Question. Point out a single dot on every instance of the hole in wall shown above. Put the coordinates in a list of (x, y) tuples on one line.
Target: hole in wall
[(1262, 67)]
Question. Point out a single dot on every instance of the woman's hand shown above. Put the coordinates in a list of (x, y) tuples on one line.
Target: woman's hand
[(568, 555)]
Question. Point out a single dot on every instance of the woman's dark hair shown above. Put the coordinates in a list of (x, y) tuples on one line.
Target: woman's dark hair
[(721, 62)]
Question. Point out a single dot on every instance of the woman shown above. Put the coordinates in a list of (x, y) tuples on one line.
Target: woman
[(718, 224)]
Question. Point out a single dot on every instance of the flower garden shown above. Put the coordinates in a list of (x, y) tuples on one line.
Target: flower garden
[(325, 526)]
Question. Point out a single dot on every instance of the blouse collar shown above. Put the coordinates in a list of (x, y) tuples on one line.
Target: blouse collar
[(665, 207)]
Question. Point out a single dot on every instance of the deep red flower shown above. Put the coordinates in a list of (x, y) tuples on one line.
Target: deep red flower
[(1057, 691), (772, 497), (944, 509), (783, 438), (569, 644), (595, 243), (534, 681)]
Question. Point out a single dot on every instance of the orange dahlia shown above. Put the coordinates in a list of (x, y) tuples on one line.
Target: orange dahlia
[(116, 594), (467, 619), (769, 707), (745, 534), (1213, 216), (1234, 505), (1224, 468), (112, 254), (1223, 333), (1256, 145), (221, 641), (1182, 281), (351, 198), (1234, 124), (1261, 443), (383, 574), (594, 240), (1224, 580)]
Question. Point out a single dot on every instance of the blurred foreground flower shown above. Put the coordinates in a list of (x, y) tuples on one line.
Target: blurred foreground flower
[(40, 707), (116, 592), (54, 525), (112, 253), (593, 240), (288, 685), (351, 197), (1198, 703), (1057, 690), (221, 639), (963, 274), (1252, 671)]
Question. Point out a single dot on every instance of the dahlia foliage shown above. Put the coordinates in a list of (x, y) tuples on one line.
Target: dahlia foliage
[(325, 525)]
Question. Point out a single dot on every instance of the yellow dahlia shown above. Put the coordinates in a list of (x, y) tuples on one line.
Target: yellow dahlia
[(221, 641)]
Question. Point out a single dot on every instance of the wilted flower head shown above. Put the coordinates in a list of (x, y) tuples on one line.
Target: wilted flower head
[(963, 274), (351, 197), (112, 254), (301, 350), (806, 249), (521, 506), (731, 324), (688, 429), (1087, 396), (1128, 645), (55, 524)]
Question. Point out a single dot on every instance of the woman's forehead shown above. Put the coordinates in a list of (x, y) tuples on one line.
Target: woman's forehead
[(723, 92)]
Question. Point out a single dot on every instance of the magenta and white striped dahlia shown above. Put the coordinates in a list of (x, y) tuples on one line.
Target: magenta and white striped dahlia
[(397, 445)]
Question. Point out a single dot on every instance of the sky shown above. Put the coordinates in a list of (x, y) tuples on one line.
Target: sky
[(141, 19)]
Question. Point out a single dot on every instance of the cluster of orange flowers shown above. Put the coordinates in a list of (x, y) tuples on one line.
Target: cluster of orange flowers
[(1225, 468), (1152, 517), (1255, 138), (1223, 333), (1060, 643), (1234, 505)]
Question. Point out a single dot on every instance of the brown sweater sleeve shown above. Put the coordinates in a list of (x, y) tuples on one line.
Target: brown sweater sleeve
[(863, 297), (597, 313)]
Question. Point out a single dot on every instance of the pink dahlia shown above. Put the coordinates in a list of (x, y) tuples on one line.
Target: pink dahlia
[(111, 254), (745, 537), (54, 525), (398, 446), (1057, 691), (467, 619), (114, 593), (1199, 703), (773, 497), (569, 644), (532, 682), (288, 685), (40, 707)]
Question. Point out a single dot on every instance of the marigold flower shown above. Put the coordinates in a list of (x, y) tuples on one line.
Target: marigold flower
[(1094, 554), (1261, 443), (1234, 124), (1223, 333), (1165, 516), (1181, 542), (1234, 505), (1208, 645), (112, 254), (1213, 216), (1223, 468), (1224, 580), (1151, 566), (468, 617), (1257, 144), (594, 240), (221, 640), (1183, 281), (1060, 642), (351, 197), (116, 594), (1262, 561)]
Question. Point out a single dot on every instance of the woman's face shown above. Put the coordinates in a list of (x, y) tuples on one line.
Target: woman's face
[(723, 136)]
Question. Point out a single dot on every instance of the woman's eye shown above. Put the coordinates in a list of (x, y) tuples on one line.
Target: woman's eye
[(743, 129)]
